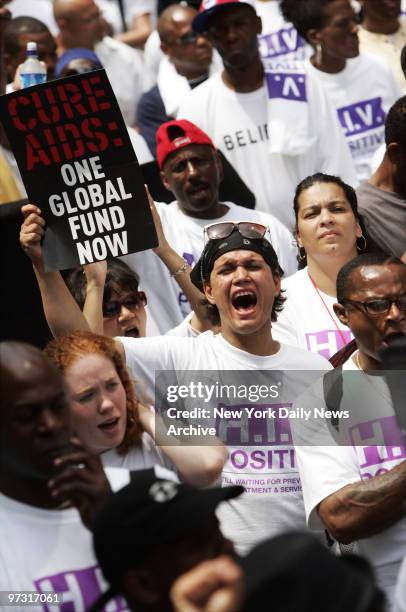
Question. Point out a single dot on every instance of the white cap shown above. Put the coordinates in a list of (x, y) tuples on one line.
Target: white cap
[(32, 46)]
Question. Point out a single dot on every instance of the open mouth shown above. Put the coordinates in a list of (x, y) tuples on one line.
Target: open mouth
[(132, 332), (244, 301), (110, 424), (197, 189)]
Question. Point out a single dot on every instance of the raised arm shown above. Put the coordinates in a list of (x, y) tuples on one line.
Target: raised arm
[(180, 270), (365, 508), (93, 307), (62, 313)]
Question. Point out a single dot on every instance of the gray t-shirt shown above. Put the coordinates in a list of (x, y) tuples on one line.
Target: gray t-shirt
[(384, 214)]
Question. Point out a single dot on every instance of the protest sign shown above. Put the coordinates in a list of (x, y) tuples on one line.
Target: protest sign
[(78, 165)]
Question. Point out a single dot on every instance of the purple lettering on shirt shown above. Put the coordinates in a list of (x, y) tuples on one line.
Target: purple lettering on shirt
[(383, 438), (280, 43), (80, 589), (288, 86), (362, 116), (237, 428), (189, 257), (327, 342)]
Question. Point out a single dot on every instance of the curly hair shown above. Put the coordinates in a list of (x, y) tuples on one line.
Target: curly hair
[(64, 350)]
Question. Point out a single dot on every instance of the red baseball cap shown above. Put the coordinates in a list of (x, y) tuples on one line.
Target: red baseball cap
[(174, 135), (209, 7)]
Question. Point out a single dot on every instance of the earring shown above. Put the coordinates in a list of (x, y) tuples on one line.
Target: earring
[(302, 254), (362, 247), (319, 54)]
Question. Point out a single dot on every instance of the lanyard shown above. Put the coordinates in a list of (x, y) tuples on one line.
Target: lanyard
[(327, 309)]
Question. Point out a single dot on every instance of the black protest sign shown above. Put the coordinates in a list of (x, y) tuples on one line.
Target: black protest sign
[(78, 165)]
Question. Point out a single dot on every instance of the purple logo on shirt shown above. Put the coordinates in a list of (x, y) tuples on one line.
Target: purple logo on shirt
[(327, 342), (253, 425), (286, 85), (383, 438), (362, 116), (80, 589), (280, 43)]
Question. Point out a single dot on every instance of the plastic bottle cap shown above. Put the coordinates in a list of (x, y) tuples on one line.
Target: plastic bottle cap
[(31, 46)]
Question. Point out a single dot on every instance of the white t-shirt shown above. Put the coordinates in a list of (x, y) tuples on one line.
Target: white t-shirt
[(308, 319), (51, 550), (167, 304), (139, 457), (124, 67), (326, 469), (184, 329), (273, 501), (279, 40), (132, 8), (400, 592), (238, 125), (362, 94)]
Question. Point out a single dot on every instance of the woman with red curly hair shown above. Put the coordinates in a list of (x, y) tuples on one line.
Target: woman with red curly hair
[(110, 420)]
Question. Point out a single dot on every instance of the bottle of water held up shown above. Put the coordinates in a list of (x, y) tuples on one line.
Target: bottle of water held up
[(32, 71)]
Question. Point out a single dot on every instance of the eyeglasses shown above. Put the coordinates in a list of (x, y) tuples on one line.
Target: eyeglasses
[(218, 231), (132, 301), (188, 39), (379, 307)]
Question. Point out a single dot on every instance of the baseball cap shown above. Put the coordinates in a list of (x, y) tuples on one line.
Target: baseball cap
[(150, 511), (174, 135), (210, 7), (298, 574), (73, 54), (234, 242)]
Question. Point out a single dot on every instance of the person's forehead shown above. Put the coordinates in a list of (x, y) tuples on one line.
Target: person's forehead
[(378, 280), (36, 383), (321, 193), (238, 256), (180, 18), (189, 152)]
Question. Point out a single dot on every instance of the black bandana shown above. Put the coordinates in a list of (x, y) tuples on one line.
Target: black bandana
[(234, 242)]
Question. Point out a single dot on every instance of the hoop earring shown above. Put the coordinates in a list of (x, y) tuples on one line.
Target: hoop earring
[(364, 244), (302, 254)]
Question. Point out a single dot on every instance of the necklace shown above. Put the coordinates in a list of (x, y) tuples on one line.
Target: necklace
[(343, 339)]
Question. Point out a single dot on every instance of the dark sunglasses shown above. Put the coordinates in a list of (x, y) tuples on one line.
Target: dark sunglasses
[(132, 301), (379, 307), (187, 39), (218, 231)]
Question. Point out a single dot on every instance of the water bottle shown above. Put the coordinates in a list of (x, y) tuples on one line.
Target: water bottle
[(32, 72)]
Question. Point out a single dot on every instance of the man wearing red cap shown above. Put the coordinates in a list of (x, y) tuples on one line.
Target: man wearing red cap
[(191, 169), (273, 122)]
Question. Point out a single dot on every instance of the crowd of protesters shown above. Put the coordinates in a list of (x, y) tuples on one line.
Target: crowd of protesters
[(276, 130)]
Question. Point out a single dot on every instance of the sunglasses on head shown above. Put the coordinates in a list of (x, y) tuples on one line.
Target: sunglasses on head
[(218, 231), (132, 301)]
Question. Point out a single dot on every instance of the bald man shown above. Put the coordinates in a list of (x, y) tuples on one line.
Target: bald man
[(81, 25), (45, 545), (186, 64)]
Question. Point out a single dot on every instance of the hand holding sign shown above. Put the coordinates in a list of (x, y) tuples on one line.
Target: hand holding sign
[(32, 232), (78, 164)]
